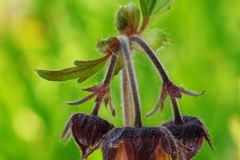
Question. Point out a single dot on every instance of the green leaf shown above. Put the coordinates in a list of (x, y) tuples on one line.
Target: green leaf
[(153, 8), (90, 63), (103, 44), (127, 19), (156, 38), (82, 71)]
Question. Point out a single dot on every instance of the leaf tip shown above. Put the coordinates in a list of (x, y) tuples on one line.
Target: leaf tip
[(41, 73), (37, 71)]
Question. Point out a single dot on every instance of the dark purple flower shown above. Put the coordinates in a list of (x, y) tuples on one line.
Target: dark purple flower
[(189, 135), (87, 131), (144, 143)]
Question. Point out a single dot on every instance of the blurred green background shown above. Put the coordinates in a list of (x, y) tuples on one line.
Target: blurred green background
[(51, 34)]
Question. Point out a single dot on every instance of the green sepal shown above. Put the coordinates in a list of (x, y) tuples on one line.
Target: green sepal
[(156, 38), (128, 18), (104, 44), (82, 71)]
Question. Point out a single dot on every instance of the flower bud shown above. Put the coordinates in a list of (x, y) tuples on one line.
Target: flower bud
[(127, 19)]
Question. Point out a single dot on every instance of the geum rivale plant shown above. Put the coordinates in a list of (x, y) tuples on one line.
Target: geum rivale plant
[(179, 138)]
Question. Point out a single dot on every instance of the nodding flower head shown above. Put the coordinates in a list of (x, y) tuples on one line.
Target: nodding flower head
[(144, 143), (87, 131), (189, 135)]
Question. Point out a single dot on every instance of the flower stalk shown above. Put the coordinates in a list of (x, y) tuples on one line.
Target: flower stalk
[(177, 118), (165, 79), (152, 56), (106, 82)]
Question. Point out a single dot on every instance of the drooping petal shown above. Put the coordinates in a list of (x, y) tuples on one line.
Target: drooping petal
[(87, 131), (144, 143), (190, 135)]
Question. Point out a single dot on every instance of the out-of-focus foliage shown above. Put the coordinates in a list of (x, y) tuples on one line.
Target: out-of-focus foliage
[(205, 54)]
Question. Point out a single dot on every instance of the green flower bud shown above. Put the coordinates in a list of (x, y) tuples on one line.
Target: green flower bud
[(127, 19)]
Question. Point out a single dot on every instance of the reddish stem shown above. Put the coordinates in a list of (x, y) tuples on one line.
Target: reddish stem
[(106, 81)]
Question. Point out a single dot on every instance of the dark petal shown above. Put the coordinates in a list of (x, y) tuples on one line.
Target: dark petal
[(190, 135), (145, 143), (110, 144), (87, 131)]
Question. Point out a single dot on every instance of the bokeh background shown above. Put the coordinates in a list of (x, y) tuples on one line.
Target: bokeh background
[(51, 34)]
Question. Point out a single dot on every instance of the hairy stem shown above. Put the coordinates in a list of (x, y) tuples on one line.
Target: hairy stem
[(150, 53), (166, 80), (176, 112), (127, 100), (96, 108), (132, 79), (107, 79), (111, 68)]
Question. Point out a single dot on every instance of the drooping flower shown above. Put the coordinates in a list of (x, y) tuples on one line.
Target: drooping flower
[(143, 143), (189, 135), (87, 131)]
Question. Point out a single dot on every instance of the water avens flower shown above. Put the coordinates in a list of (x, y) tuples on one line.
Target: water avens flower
[(178, 139)]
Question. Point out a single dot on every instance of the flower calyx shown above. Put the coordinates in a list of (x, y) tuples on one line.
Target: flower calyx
[(169, 88), (102, 94), (176, 92)]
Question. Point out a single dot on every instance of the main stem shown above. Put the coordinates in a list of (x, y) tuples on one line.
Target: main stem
[(166, 80), (132, 79), (127, 99)]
